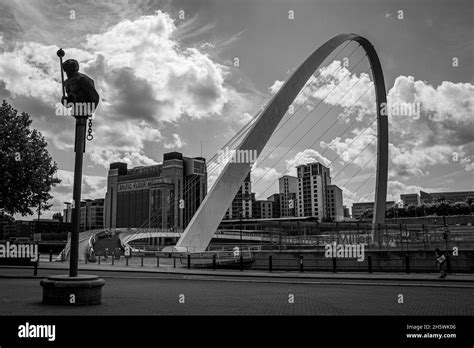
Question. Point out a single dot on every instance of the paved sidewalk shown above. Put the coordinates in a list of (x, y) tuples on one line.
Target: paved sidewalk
[(169, 269)]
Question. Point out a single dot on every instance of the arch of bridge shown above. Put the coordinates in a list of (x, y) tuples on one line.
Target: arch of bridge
[(206, 220)]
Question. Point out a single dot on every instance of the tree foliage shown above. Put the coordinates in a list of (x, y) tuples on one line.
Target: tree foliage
[(434, 209), (27, 169), (58, 216)]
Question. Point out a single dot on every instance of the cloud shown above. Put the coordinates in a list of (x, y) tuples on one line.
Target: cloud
[(145, 77), (240, 108), (395, 188), (337, 85), (125, 143), (264, 174), (441, 130), (132, 158), (176, 143), (92, 187), (31, 70), (446, 112), (406, 161), (468, 164), (208, 45), (358, 149), (32, 20), (276, 86), (148, 74), (305, 157), (266, 179)]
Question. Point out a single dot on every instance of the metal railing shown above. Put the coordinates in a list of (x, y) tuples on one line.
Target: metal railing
[(313, 261)]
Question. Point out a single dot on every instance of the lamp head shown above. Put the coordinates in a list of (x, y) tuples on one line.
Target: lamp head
[(60, 53)]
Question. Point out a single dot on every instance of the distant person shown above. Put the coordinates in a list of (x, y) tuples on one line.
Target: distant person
[(92, 257), (441, 260)]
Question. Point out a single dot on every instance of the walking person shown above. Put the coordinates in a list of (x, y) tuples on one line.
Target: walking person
[(441, 260)]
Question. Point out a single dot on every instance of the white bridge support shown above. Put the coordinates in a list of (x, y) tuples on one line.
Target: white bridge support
[(206, 220)]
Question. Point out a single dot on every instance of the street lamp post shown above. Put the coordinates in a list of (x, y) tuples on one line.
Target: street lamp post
[(446, 239), (79, 149), (241, 251), (395, 209), (240, 225)]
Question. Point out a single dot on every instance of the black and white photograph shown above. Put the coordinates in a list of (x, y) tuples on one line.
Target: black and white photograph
[(236, 172)]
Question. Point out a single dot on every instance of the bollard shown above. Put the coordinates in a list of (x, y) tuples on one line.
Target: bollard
[(157, 260), (50, 255), (142, 260), (126, 260), (113, 257), (270, 264), (214, 261), (174, 261), (98, 254), (369, 261), (334, 266), (407, 263), (189, 261), (241, 262), (301, 263), (35, 270)]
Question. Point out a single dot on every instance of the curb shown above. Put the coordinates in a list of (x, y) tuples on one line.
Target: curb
[(250, 275), (301, 281)]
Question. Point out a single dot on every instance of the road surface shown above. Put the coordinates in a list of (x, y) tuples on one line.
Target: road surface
[(175, 294)]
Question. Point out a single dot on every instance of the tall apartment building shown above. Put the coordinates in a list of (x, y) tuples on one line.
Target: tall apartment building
[(262, 209), (242, 202), (276, 210), (67, 212), (288, 188), (165, 195), (313, 180), (335, 207), (92, 214), (347, 213)]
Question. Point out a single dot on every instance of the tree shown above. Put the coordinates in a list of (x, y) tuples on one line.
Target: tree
[(462, 208), (390, 212), (420, 210), (27, 168), (327, 219), (430, 209), (367, 214), (58, 216), (410, 211)]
